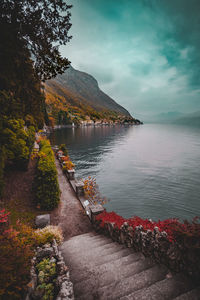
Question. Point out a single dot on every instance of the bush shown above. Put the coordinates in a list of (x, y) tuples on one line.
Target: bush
[(46, 274), (68, 165), (47, 234), (2, 165), (18, 142), (16, 252), (46, 180), (63, 148)]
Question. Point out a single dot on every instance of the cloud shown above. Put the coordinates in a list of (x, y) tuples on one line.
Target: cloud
[(144, 54)]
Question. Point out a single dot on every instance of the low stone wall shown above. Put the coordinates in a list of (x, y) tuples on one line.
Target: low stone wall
[(156, 245), (63, 285), (77, 185)]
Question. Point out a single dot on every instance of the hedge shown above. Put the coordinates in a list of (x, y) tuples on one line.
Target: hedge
[(46, 180)]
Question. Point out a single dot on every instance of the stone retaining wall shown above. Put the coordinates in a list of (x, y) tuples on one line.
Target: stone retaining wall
[(63, 284), (77, 185), (156, 245)]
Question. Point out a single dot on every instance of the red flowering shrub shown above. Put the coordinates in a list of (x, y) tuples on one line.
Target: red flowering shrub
[(3, 216), (188, 234), (174, 229)]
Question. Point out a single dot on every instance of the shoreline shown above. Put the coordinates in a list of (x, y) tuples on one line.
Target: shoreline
[(49, 129)]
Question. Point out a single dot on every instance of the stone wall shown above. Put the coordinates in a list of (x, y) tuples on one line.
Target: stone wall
[(63, 285), (77, 185), (156, 245)]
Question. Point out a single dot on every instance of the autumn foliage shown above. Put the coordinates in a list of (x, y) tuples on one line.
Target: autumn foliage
[(189, 233), (4, 216), (92, 193), (17, 246), (15, 254)]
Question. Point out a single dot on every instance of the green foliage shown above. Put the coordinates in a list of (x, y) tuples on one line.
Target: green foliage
[(63, 148), (18, 141), (42, 26), (46, 181), (46, 275), (47, 268)]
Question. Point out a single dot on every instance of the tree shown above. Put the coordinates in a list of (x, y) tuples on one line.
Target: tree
[(30, 34), (42, 25)]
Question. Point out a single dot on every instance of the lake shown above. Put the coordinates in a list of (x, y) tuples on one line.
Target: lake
[(150, 170)]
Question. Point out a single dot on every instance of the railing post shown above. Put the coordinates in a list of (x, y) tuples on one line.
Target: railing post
[(79, 188), (95, 210), (71, 174)]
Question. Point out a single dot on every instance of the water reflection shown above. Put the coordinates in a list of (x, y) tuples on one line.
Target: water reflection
[(88, 145)]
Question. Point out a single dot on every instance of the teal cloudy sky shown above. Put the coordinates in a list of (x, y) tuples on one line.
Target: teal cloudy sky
[(145, 54)]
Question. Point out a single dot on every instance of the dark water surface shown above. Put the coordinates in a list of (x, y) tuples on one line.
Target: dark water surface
[(151, 171)]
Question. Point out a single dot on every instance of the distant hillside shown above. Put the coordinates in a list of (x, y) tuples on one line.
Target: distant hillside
[(78, 87), (74, 97)]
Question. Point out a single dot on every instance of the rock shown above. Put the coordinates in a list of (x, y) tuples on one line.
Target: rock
[(42, 221), (66, 291), (45, 252), (38, 294)]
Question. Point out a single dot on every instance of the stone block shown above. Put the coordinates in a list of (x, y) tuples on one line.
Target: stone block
[(95, 210), (79, 188), (42, 220), (71, 174)]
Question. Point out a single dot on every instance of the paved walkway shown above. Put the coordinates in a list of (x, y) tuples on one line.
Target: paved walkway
[(69, 215)]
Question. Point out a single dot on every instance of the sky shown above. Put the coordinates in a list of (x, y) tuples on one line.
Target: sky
[(145, 54)]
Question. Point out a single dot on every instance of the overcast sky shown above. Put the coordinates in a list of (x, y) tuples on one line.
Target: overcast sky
[(145, 54)]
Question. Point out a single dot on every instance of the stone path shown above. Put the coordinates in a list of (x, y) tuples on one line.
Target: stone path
[(70, 214), (102, 269)]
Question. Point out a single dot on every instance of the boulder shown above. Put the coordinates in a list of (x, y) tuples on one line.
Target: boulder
[(42, 221)]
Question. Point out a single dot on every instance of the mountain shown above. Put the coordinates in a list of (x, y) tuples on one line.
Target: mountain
[(75, 97), (85, 89)]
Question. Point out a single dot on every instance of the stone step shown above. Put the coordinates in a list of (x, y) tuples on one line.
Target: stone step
[(97, 254), (105, 270), (164, 289), (91, 236), (91, 246), (133, 283), (86, 244), (108, 273), (191, 295), (80, 274), (99, 260), (88, 235)]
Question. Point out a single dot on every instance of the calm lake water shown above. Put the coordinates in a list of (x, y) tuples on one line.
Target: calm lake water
[(152, 171)]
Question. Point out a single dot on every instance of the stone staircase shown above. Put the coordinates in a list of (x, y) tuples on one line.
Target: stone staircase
[(103, 269)]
